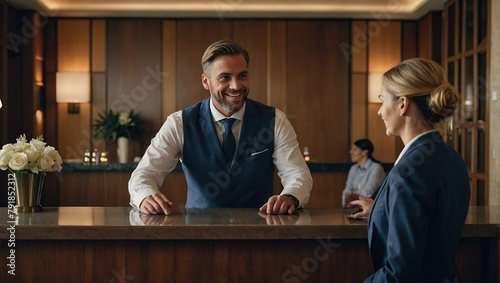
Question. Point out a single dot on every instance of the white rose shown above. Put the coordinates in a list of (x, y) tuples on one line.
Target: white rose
[(33, 154), (54, 155), (18, 161), (4, 159), (38, 144), (21, 146), (57, 167), (45, 163), (8, 147)]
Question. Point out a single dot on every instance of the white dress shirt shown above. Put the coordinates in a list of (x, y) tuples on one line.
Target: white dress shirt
[(166, 148)]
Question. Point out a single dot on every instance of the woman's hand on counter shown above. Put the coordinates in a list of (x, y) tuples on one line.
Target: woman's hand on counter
[(365, 203)]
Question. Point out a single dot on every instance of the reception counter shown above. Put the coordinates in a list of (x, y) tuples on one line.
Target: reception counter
[(118, 244)]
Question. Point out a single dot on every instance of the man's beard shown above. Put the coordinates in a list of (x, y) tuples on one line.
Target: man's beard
[(226, 106)]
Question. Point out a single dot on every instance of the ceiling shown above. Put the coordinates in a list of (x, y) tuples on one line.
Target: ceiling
[(348, 9)]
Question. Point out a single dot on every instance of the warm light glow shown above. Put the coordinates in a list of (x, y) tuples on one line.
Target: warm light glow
[(0, 103), (386, 6), (39, 122), (72, 87), (374, 86)]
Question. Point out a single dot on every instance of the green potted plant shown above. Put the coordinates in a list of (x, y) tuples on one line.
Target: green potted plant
[(118, 127)]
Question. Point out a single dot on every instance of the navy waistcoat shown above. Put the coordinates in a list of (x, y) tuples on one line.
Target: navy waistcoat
[(213, 181)]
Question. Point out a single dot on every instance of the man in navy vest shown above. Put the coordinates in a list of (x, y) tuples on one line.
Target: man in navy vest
[(224, 168)]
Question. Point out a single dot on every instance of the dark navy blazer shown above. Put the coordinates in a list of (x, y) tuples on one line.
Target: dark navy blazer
[(417, 218)]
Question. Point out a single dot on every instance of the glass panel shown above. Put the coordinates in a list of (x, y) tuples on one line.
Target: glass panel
[(459, 140), (460, 5), (451, 30), (481, 200), (482, 95), (481, 150), (469, 24), (451, 73), (450, 132), (468, 148), (468, 94), (482, 21), (459, 87)]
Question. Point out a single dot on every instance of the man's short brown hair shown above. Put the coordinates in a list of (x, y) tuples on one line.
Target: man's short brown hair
[(224, 47)]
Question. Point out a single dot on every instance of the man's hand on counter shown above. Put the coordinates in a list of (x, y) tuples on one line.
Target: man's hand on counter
[(156, 203), (155, 220), (286, 219), (278, 204)]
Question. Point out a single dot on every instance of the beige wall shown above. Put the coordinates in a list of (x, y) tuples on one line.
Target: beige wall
[(494, 85)]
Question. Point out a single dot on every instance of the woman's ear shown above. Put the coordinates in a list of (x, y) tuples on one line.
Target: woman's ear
[(404, 104)]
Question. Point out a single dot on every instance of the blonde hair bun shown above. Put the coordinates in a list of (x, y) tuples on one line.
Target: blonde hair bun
[(443, 101)]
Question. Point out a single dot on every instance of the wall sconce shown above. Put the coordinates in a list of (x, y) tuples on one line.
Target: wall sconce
[(374, 86), (0, 103), (73, 88)]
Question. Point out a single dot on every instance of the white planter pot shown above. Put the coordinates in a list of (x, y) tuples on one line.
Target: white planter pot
[(122, 150)]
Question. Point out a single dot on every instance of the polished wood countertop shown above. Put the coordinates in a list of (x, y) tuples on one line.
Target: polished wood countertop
[(125, 223), (129, 167)]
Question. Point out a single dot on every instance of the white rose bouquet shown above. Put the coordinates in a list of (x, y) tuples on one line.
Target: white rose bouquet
[(33, 157)]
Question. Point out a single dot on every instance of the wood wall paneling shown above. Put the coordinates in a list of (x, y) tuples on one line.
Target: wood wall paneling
[(73, 55), (50, 194), (425, 31), (384, 50), (276, 64), (98, 62), (384, 53), (98, 79), (327, 189), (359, 88), (169, 56), (409, 40), (359, 109), (134, 74), (26, 50), (317, 93), (73, 45), (359, 47), (73, 132), (98, 106), (430, 37), (111, 188), (252, 34), (193, 37)]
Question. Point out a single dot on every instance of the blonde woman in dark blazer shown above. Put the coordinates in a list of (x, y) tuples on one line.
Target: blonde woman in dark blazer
[(416, 220)]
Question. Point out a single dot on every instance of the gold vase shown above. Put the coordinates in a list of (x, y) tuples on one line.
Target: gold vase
[(28, 192)]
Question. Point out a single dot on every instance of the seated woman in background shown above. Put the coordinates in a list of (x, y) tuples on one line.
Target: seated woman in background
[(365, 176)]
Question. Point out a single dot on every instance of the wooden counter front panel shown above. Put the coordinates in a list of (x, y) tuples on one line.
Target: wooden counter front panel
[(111, 188), (217, 261), (189, 261)]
